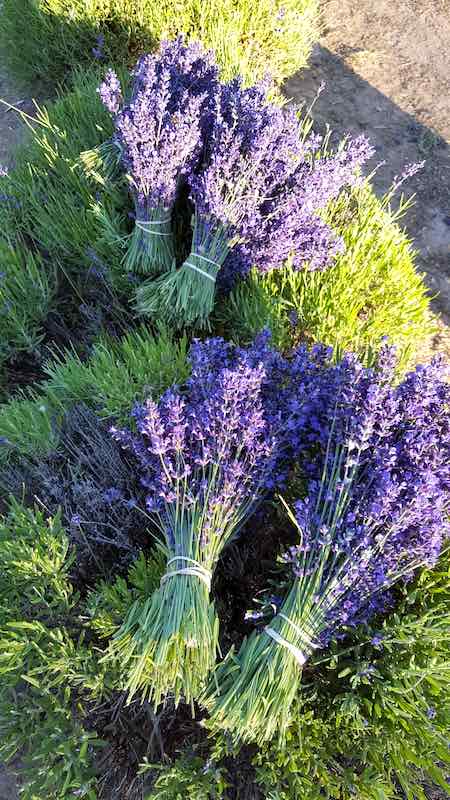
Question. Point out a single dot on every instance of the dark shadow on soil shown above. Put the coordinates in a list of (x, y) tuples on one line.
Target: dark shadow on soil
[(349, 104)]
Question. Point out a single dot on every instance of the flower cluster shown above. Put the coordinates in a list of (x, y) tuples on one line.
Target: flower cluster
[(375, 510), (218, 444), (256, 183), (208, 453), (379, 511), (159, 134), (207, 456), (256, 198)]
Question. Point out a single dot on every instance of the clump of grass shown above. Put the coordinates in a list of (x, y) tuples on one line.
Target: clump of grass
[(372, 291), (47, 38), (26, 295), (40, 717), (52, 200), (117, 374)]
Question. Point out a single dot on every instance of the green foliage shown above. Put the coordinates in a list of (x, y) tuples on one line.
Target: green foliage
[(53, 201), (371, 291), (117, 374), (39, 712), (372, 719), (46, 38), (35, 563), (109, 602), (25, 299), (27, 425), (187, 777)]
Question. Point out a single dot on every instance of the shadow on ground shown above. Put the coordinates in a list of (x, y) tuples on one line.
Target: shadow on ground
[(350, 104)]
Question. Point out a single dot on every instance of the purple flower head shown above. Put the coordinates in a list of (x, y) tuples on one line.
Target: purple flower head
[(110, 92), (112, 495), (262, 183), (98, 51), (379, 489), (159, 130), (222, 442)]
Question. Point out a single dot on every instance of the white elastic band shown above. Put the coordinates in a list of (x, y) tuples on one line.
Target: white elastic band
[(144, 227), (196, 571), (153, 221), (197, 255), (296, 652), (197, 269), (299, 632)]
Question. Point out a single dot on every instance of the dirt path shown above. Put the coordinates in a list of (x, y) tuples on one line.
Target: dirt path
[(385, 66)]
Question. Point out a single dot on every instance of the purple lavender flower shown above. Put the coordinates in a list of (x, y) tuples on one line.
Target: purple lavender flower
[(379, 491), (220, 436), (112, 495), (110, 92), (159, 137), (98, 50)]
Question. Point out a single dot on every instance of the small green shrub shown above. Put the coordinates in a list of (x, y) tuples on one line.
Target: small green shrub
[(108, 603), (47, 38), (51, 199), (117, 374), (25, 299), (372, 290), (40, 716), (187, 777)]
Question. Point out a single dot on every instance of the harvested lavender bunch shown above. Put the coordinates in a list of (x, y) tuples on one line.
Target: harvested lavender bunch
[(158, 134), (376, 511), (255, 201), (207, 457), (287, 226)]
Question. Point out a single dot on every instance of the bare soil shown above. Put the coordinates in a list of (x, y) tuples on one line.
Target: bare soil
[(386, 68)]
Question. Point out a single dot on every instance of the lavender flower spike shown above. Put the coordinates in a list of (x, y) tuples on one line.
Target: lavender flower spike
[(158, 134)]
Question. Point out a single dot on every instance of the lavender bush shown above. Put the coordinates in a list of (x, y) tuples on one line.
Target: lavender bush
[(375, 512), (158, 137), (255, 202)]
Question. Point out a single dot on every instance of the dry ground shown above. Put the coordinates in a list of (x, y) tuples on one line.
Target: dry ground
[(386, 68)]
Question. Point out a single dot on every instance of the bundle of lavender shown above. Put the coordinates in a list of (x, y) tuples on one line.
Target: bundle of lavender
[(158, 136), (255, 202), (375, 512), (207, 457)]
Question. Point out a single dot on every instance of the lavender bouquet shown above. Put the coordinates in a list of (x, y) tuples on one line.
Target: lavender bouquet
[(207, 458), (255, 202), (158, 138), (374, 513)]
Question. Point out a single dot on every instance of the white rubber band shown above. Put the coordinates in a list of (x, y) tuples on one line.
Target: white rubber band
[(197, 269), (144, 227), (196, 571), (197, 255), (301, 634), (296, 652), (143, 222)]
